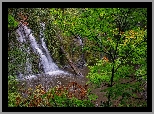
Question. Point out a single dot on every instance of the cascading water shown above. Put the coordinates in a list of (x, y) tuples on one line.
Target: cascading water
[(28, 67), (82, 60), (46, 62), (52, 65)]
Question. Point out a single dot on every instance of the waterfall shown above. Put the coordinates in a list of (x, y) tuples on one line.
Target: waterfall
[(46, 62), (28, 67), (52, 65), (82, 60)]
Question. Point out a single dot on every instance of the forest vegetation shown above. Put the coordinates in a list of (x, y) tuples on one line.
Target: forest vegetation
[(113, 52)]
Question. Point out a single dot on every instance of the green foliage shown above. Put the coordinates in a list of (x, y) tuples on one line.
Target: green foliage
[(52, 98), (12, 91), (119, 34), (17, 58), (99, 73), (129, 50), (92, 97), (11, 22)]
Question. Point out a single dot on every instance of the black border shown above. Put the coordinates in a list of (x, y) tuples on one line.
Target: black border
[(6, 5)]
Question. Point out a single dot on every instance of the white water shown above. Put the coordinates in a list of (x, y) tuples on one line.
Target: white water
[(52, 65), (82, 60), (28, 67), (48, 66)]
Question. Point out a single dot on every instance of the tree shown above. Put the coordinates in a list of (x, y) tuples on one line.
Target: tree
[(118, 34), (121, 34)]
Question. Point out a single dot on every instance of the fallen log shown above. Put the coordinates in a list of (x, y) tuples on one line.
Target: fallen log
[(76, 70)]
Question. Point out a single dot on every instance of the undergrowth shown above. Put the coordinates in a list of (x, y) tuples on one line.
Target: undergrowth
[(72, 95)]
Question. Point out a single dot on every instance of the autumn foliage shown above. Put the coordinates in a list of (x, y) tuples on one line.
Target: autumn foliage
[(39, 97), (23, 19)]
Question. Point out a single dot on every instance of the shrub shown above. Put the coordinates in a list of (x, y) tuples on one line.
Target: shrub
[(72, 95)]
